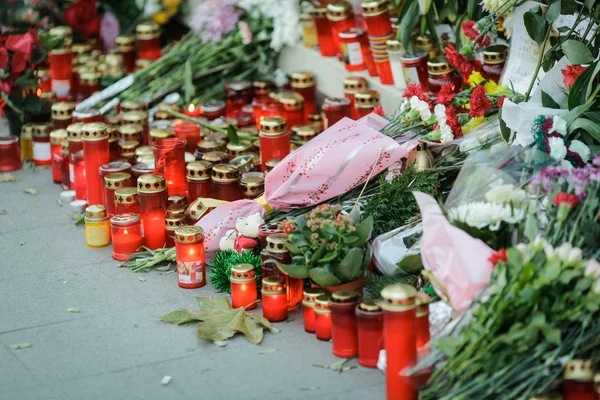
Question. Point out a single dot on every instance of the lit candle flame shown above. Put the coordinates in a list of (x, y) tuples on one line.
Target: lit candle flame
[(125, 232), (191, 252), (191, 108), (39, 92)]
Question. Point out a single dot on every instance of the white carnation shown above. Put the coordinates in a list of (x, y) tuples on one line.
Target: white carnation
[(446, 133), (558, 150), (580, 148), (421, 106), (559, 125), (482, 215), (506, 194), (440, 113)]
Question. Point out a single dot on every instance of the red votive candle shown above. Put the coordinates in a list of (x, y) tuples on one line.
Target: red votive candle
[(243, 286), (441, 73), (198, 175), (126, 201), (62, 115), (226, 182), (415, 68), (293, 108), (137, 117), (334, 109), (126, 47), (213, 109), (494, 59), (112, 182), (61, 70), (365, 102), (192, 111), (152, 196), (10, 153), (353, 85), (88, 115), (95, 154), (126, 234), (274, 140), (169, 161), (78, 182), (239, 93), (189, 252), (322, 318), (327, 46), (399, 336), (190, 132), (308, 307), (379, 29), (274, 301), (303, 83), (344, 331), (370, 332), (257, 109), (341, 18), (578, 381), (58, 139), (173, 222), (41, 144), (148, 41), (353, 51), (272, 109)]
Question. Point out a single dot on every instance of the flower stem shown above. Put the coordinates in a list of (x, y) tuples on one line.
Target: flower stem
[(539, 63)]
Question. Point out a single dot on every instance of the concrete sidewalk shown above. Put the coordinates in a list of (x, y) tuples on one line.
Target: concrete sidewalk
[(115, 347)]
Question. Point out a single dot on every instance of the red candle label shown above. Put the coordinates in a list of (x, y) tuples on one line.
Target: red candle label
[(190, 271)]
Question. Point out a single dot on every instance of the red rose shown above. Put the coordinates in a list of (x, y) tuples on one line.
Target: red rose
[(498, 256), (571, 73), (445, 95), (479, 103), (453, 123), (414, 89), (83, 16), (563, 198)]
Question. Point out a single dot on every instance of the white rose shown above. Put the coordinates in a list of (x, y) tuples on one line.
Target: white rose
[(575, 256), (563, 251), (592, 268)]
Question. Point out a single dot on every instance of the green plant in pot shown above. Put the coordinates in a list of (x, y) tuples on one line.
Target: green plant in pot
[(327, 247)]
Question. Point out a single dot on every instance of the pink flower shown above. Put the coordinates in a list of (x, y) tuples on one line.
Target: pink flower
[(109, 30), (245, 32), (214, 18)]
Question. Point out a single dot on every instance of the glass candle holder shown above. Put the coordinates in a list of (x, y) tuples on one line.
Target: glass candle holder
[(262, 89), (130, 132), (89, 83), (365, 102), (422, 323), (58, 139), (339, 14), (62, 114), (271, 109), (177, 200), (322, 318), (126, 201), (316, 120), (441, 73), (87, 115), (239, 93), (252, 186), (395, 53), (213, 109), (243, 286), (41, 144), (494, 59), (369, 318), (353, 52), (112, 182), (344, 330), (327, 46), (169, 159), (113, 142), (140, 169), (190, 132), (189, 253), (257, 109), (379, 28), (116, 166), (152, 196), (293, 108), (137, 117), (78, 182), (578, 380), (126, 47), (309, 31), (62, 163), (399, 337), (127, 151), (198, 175), (126, 234), (226, 182), (353, 85), (415, 68), (234, 150), (10, 154), (95, 153), (172, 222), (303, 83), (308, 307), (425, 44), (61, 70), (160, 133), (97, 227), (27, 141), (148, 41), (216, 157), (244, 117), (334, 109), (264, 231), (274, 301), (274, 140)]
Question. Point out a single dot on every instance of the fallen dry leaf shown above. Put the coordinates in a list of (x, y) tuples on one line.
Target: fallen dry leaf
[(17, 346), (73, 309), (268, 351), (141, 279), (6, 177), (31, 191), (166, 380), (2, 212)]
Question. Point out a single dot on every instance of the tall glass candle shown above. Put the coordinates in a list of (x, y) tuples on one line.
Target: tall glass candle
[(172, 222), (243, 286), (353, 52), (399, 336), (126, 201), (169, 161), (95, 153), (422, 322), (441, 73), (327, 45), (97, 227), (126, 234), (308, 307), (578, 380), (334, 109), (152, 196), (395, 53), (61, 70), (309, 32), (58, 138), (293, 108), (10, 155), (303, 83), (340, 15), (415, 68), (148, 41), (41, 144), (89, 83), (365, 102), (274, 140), (322, 318), (226, 182), (189, 252), (112, 182), (274, 301), (353, 85), (344, 331), (62, 114), (190, 132), (27, 141), (78, 182), (370, 333), (494, 59), (61, 160), (126, 47), (198, 175), (379, 29)]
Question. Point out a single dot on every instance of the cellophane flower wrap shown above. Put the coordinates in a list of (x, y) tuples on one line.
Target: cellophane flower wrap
[(333, 163)]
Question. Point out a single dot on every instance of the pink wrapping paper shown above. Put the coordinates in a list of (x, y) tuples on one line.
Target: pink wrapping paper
[(329, 165), (457, 261)]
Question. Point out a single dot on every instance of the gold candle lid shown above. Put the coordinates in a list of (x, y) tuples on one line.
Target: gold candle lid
[(27, 128), (151, 183), (168, 106), (58, 136), (439, 66), (276, 243), (131, 105), (130, 131), (353, 84), (305, 132), (147, 30), (394, 45), (371, 8), (322, 304), (339, 10), (198, 170), (189, 234), (272, 285), (129, 146), (141, 63), (74, 131), (241, 147), (126, 195), (63, 110), (125, 42), (320, 12), (366, 99), (41, 129), (495, 54), (95, 212), (135, 117), (176, 208), (262, 88), (345, 296), (174, 221), (144, 150), (273, 126), (215, 157), (303, 79), (370, 307), (116, 180), (398, 297), (94, 131), (252, 186), (271, 164), (291, 101), (90, 78), (81, 49), (206, 146), (177, 199), (113, 133), (162, 116), (225, 173), (579, 370), (159, 133), (423, 42), (310, 295), (241, 273), (61, 31), (196, 210)]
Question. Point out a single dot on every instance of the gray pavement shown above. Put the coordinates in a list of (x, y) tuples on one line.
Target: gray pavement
[(115, 347)]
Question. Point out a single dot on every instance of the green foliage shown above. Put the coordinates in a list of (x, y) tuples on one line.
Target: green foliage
[(221, 267), (393, 205), (375, 283)]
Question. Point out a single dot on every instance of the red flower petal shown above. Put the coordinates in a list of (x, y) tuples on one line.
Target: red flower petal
[(19, 62), (3, 58), (479, 103)]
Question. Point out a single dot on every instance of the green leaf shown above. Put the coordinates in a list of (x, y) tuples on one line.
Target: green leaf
[(350, 239), (535, 24), (367, 257), (32, 103), (594, 116), (568, 275), (587, 125), (505, 131), (323, 277), (319, 253), (332, 255), (573, 114), (301, 222), (351, 265), (551, 334), (293, 270), (232, 134), (553, 11), (548, 101), (407, 26), (27, 81), (577, 52), (188, 82), (579, 92), (532, 228), (363, 230), (589, 4)]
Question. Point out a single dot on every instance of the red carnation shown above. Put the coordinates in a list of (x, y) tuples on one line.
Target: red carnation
[(83, 16), (379, 110), (571, 73), (452, 122), (469, 30), (563, 198), (459, 61), (498, 256), (500, 101), (3, 58), (479, 103), (445, 95), (414, 89)]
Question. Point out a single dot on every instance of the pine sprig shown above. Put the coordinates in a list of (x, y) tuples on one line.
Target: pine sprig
[(221, 267), (375, 283), (142, 262)]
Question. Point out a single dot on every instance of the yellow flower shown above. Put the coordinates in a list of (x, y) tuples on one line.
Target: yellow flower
[(160, 17), (475, 79), (171, 12), (473, 122), (492, 87), (170, 4)]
